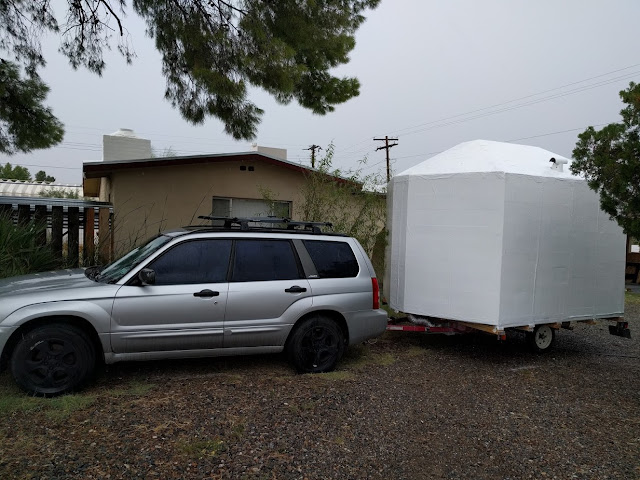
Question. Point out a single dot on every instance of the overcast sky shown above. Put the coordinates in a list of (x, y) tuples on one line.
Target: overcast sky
[(433, 74)]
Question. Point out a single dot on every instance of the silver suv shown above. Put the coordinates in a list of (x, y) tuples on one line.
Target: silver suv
[(193, 292)]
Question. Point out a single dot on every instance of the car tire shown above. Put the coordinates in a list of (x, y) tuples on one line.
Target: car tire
[(52, 360), (542, 339), (316, 345)]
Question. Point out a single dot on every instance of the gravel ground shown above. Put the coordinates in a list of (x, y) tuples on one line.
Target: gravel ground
[(409, 406)]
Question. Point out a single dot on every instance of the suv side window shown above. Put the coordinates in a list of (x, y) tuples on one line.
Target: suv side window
[(332, 259), (263, 260), (194, 261)]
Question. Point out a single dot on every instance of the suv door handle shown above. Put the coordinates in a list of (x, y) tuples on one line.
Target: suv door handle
[(295, 289), (206, 293)]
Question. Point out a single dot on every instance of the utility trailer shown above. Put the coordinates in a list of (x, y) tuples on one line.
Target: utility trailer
[(490, 236)]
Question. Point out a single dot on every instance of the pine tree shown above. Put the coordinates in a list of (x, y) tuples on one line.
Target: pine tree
[(609, 159), (25, 123), (212, 52)]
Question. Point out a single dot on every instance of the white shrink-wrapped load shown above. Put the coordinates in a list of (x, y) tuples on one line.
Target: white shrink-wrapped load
[(496, 233)]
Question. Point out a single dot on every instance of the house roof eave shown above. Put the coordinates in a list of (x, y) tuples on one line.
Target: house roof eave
[(101, 168)]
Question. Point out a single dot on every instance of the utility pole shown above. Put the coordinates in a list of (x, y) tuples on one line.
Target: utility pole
[(387, 147), (313, 154)]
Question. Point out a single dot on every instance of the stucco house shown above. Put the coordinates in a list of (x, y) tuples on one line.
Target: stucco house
[(152, 194)]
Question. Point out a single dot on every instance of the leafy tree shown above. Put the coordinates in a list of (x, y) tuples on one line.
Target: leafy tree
[(25, 124), (165, 153), (41, 176), (212, 50), (352, 202), (609, 159), (8, 172), (349, 200)]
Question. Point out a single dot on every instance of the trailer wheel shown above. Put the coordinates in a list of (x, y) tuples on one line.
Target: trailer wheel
[(542, 338)]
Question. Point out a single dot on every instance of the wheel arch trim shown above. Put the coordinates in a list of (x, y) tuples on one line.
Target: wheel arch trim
[(99, 340), (333, 314)]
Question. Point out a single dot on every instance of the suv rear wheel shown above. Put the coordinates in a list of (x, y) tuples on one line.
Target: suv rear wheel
[(316, 345), (52, 360)]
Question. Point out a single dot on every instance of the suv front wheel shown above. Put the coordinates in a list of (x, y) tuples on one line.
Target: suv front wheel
[(316, 345), (53, 359)]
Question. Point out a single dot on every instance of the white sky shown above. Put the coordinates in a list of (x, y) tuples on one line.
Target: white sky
[(423, 66)]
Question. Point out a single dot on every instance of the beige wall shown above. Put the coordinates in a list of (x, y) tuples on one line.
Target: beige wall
[(149, 200)]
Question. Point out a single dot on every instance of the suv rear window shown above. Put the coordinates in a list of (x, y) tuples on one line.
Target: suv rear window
[(332, 259)]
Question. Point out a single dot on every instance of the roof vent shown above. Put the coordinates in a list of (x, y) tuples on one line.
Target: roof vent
[(556, 164), (124, 132)]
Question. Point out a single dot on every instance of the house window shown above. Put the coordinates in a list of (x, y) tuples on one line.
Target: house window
[(249, 207)]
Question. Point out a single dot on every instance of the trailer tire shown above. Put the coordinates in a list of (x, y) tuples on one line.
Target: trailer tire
[(542, 339)]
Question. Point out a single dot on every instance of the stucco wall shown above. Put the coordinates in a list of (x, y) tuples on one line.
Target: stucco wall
[(148, 200)]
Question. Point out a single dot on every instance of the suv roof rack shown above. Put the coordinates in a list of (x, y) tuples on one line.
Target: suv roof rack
[(243, 223)]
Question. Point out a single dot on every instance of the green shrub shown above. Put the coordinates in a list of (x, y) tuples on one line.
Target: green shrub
[(20, 252), (59, 193)]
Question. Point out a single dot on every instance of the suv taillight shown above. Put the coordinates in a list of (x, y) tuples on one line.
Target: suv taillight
[(376, 293)]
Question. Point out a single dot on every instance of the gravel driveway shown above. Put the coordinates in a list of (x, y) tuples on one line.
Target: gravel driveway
[(410, 406)]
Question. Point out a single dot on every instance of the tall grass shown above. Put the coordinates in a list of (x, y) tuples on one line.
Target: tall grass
[(20, 252)]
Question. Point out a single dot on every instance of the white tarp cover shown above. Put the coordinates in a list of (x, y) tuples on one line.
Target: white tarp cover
[(488, 232)]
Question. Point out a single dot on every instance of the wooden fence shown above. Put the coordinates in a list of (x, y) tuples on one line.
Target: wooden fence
[(633, 267), (81, 229)]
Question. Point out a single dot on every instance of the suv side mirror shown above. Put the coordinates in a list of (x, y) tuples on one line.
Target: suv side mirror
[(147, 276)]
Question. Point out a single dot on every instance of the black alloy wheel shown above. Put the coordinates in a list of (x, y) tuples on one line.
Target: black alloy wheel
[(316, 345), (52, 360)]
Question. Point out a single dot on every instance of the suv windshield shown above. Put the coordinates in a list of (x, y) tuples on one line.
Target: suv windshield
[(118, 269)]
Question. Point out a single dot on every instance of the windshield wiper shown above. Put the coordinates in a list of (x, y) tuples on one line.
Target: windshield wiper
[(93, 272)]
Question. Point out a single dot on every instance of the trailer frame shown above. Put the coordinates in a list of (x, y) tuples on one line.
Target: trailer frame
[(432, 325)]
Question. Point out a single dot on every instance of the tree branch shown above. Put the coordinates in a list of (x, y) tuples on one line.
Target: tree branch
[(232, 7), (106, 4)]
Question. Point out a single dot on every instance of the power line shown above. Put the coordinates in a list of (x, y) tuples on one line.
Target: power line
[(43, 166), (164, 135), (434, 124), (355, 155), (525, 97), (514, 107), (98, 148), (558, 132), (426, 154), (354, 145)]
